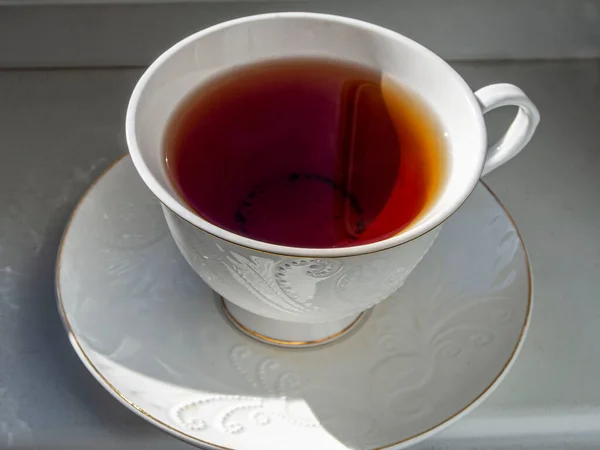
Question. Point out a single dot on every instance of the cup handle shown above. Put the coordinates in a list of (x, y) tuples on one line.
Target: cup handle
[(520, 131)]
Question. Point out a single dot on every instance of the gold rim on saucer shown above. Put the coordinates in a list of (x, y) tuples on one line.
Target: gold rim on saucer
[(188, 437)]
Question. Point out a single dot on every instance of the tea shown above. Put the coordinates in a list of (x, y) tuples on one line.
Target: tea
[(306, 153)]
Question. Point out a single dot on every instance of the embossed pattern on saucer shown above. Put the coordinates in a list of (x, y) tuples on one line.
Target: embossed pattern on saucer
[(153, 335)]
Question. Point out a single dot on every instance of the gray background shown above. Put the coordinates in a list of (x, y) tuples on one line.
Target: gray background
[(124, 34), (59, 128)]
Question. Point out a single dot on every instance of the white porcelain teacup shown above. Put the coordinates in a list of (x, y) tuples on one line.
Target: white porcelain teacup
[(299, 296)]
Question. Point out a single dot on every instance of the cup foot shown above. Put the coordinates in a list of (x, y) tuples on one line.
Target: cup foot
[(288, 334)]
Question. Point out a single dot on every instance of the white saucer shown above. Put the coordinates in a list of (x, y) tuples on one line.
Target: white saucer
[(153, 334)]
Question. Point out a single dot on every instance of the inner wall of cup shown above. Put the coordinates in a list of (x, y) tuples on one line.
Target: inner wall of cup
[(221, 48)]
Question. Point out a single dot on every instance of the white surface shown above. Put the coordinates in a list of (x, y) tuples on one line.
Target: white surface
[(135, 34), (149, 329), (60, 129)]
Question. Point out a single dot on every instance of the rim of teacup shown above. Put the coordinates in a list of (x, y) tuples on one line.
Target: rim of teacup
[(412, 232)]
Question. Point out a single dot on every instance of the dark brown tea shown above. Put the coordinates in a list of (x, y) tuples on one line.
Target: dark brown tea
[(306, 153)]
